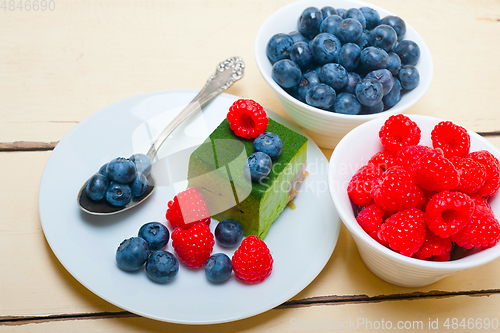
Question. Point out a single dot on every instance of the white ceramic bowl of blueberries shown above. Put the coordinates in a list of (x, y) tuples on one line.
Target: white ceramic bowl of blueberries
[(334, 64)]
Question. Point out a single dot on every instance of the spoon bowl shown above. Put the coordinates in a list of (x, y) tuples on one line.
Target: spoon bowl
[(101, 207)]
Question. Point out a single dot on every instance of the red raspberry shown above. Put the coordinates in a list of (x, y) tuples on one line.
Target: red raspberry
[(452, 139), (448, 212), (361, 184), (481, 201), (404, 231), (252, 261), (247, 118), (187, 207), (383, 159), (371, 219), (399, 131), (434, 247), (492, 167), (434, 172), (483, 230), (472, 174), (194, 245), (408, 156), (396, 191)]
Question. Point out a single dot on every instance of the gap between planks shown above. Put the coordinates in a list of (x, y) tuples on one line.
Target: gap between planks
[(359, 299), (26, 146), (306, 302)]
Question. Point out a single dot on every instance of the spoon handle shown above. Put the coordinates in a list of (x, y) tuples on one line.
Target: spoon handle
[(227, 72)]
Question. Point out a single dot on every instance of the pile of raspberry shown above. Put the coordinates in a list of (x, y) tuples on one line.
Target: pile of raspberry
[(423, 201)]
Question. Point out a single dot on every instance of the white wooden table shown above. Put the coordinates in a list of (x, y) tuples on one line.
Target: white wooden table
[(59, 66)]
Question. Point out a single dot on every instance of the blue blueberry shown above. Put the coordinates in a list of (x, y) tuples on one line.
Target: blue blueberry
[(286, 73), (325, 48), (356, 14), (321, 96), (346, 103), (259, 165), (218, 268), (309, 22), (298, 37), (372, 17), (121, 170), (294, 92), (327, 11), (96, 187), (384, 77), (307, 81), (394, 96), (373, 58), (363, 41), (409, 77), (377, 108), (268, 143), (317, 69), (278, 47), (408, 51), (352, 81), (118, 194), (229, 233), (132, 254), (384, 37), (349, 56), (349, 31), (162, 266), (334, 75), (103, 170), (394, 64), (340, 12), (139, 185), (142, 163), (369, 92), (301, 54), (396, 23), (155, 234), (330, 24)]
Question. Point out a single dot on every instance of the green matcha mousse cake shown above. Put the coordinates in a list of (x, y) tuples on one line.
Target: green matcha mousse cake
[(217, 170)]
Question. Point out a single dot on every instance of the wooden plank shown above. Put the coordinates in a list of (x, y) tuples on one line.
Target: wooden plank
[(495, 140), (44, 287), (131, 51), (438, 314), (58, 67), (32, 280)]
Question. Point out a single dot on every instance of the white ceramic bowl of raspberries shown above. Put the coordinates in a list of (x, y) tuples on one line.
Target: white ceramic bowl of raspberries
[(282, 58), (413, 225)]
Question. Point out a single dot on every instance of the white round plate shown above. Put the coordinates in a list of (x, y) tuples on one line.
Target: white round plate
[(301, 240)]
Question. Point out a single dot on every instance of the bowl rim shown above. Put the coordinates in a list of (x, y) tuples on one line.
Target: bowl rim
[(261, 59), (346, 214)]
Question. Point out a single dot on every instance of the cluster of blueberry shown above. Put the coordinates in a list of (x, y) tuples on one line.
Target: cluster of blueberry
[(120, 180), (162, 266), (345, 61), (228, 233), (268, 146)]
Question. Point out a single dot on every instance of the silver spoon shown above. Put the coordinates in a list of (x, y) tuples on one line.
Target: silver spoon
[(227, 72)]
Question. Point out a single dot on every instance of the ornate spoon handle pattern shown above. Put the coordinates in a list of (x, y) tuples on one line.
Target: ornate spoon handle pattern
[(227, 72)]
